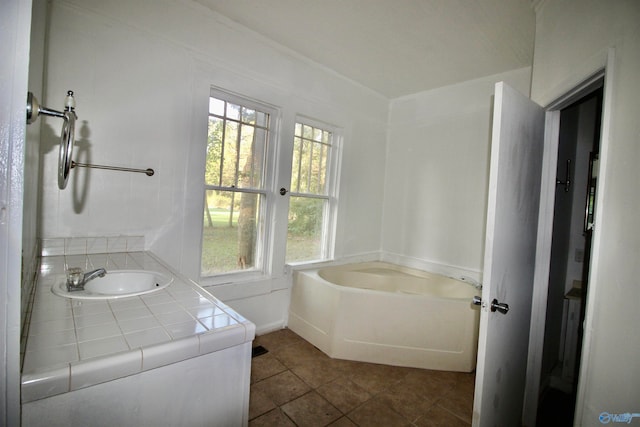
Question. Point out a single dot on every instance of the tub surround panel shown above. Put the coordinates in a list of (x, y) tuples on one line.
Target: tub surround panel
[(73, 344), (427, 323)]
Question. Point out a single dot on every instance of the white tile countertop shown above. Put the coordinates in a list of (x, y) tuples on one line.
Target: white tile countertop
[(74, 343)]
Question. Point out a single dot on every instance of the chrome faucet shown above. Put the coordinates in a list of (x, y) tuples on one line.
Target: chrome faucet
[(76, 279)]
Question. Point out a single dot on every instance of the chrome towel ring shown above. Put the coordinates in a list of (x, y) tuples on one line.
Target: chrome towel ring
[(67, 136)]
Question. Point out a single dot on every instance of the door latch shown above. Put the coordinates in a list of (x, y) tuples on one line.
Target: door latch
[(495, 305)]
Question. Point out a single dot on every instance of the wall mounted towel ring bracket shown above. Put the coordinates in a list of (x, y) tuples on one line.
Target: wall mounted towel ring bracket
[(67, 136)]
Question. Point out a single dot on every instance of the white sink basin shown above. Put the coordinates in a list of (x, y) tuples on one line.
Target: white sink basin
[(117, 284)]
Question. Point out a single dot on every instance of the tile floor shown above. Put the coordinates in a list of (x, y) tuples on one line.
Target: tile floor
[(295, 384)]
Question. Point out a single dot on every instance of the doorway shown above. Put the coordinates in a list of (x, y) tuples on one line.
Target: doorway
[(576, 176)]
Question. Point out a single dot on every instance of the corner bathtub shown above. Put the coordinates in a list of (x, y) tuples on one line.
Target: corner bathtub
[(385, 313)]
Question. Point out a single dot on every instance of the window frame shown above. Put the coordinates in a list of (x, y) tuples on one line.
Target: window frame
[(330, 212), (262, 265)]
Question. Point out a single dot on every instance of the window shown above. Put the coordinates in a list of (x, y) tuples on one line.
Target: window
[(245, 231), (312, 199), (237, 159)]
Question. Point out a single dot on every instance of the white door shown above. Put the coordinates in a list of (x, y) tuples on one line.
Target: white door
[(509, 260)]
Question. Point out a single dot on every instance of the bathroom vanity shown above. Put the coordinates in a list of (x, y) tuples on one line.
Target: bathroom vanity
[(176, 356)]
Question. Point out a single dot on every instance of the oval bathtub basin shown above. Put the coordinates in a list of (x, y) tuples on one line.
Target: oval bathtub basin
[(117, 284), (390, 278)]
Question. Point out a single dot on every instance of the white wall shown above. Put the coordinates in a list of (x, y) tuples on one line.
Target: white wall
[(15, 24), (30, 247), (141, 72), (437, 174), (572, 39)]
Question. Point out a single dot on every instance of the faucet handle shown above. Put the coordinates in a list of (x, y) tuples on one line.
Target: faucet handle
[(75, 276)]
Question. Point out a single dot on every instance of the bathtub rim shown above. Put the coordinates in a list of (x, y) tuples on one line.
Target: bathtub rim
[(315, 273), (464, 274)]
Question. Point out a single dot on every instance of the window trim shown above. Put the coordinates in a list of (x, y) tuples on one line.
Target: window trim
[(333, 169), (264, 247)]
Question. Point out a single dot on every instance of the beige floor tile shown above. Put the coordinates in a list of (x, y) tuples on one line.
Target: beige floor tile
[(315, 372), (438, 417), (408, 404), (374, 414), (278, 339), (274, 418), (295, 384), (265, 366), (459, 401), (343, 422), (431, 386), (311, 410), (344, 394), (282, 388), (259, 403), (377, 378), (297, 354)]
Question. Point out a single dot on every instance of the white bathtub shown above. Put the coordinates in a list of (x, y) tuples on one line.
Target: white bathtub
[(385, 313)]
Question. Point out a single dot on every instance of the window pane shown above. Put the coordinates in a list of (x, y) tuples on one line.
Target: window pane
[(230, 154), (262, 120), (216, 106), (317, 173), (317, 135), (295, 165), (304, 233), (303, 175), (236, 151), (252, 152), (233, 111), (230, 232), (214, 152), (307, 132), (310, 160), (248, 116)]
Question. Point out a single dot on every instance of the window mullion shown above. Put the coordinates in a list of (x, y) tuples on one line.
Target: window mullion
[(320, 168), (310, 174), (253, 159), (222, 150), (238, 144), (301, 145)]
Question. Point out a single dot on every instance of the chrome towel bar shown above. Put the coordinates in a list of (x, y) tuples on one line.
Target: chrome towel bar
[(148, 171)]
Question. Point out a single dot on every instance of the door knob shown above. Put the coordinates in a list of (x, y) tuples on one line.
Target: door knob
[(499, 306), (495, 305), (283, 191)]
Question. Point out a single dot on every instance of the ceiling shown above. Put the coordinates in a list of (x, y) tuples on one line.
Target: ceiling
[(396, 47)]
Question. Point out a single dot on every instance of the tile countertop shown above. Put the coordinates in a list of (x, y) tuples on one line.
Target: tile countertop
[(75, 343)]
